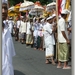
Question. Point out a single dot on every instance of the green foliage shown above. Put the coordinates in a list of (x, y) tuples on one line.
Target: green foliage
[(43, 2), (14, 2)]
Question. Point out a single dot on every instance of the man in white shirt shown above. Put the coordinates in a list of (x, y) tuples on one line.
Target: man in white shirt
[(23, 30), (63, 41), (29, 36)]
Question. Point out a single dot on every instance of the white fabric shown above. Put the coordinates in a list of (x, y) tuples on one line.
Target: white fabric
[(70, 26), (54, 15), (51, 4), (6, 23), (62, 27), (10, 24), (63, 4), (11, 8), (27, 5), (65, 11), (35, 33), (49, 40), (49, 51), (40, 32), (28, 28), (50, 17), (69, 17), (20, 29), (18, 23), (38, 7), (26, 8), (7, 53), (23, 27), (48, 35)]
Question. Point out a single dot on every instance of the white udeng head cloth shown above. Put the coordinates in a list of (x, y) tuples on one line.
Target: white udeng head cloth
[(5, 1), (65, 11), (54, 15), (49, 18)]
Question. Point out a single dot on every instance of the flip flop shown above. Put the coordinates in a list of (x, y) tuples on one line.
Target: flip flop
[(68, 67), (59, 66), (53, 63), (47, 62)]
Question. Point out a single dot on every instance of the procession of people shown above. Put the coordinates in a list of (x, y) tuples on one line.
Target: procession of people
[(43, 34), (51, 34)]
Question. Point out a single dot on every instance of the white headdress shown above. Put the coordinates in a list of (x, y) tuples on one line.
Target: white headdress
[(50, 17)]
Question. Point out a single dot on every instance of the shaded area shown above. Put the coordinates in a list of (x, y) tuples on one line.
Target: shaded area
[(18, 72)]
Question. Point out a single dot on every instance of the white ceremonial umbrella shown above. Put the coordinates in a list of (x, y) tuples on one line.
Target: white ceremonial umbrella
[(11, 8), (38, 9), (27, 5), (35, 12), (51, 6)]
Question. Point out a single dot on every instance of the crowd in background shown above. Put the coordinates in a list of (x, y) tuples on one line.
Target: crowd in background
[(34, 32)]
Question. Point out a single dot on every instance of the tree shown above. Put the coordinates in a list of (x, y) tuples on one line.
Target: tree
[(14, 2), (43, 2)]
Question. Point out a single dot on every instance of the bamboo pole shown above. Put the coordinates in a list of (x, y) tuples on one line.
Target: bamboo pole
[(57, 44)]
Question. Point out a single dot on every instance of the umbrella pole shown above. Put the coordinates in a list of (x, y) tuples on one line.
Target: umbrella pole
[(27, 14), (37, 12)]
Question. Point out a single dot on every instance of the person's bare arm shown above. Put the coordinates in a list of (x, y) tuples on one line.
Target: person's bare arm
[(63, 33)]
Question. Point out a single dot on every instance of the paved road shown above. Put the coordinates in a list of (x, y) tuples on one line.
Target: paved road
[(32, 62)]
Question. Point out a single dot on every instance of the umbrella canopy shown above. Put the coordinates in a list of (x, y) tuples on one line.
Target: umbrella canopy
[(12, 13), (51, 6), (38, 7), (11, 8), (35, 12), (27, 5)]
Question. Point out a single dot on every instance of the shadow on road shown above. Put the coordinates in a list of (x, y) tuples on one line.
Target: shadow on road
[(18, 73)]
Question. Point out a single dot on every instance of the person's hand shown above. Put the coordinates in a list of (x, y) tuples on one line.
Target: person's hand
[(70, 29), (68, 42), (53, 29)]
